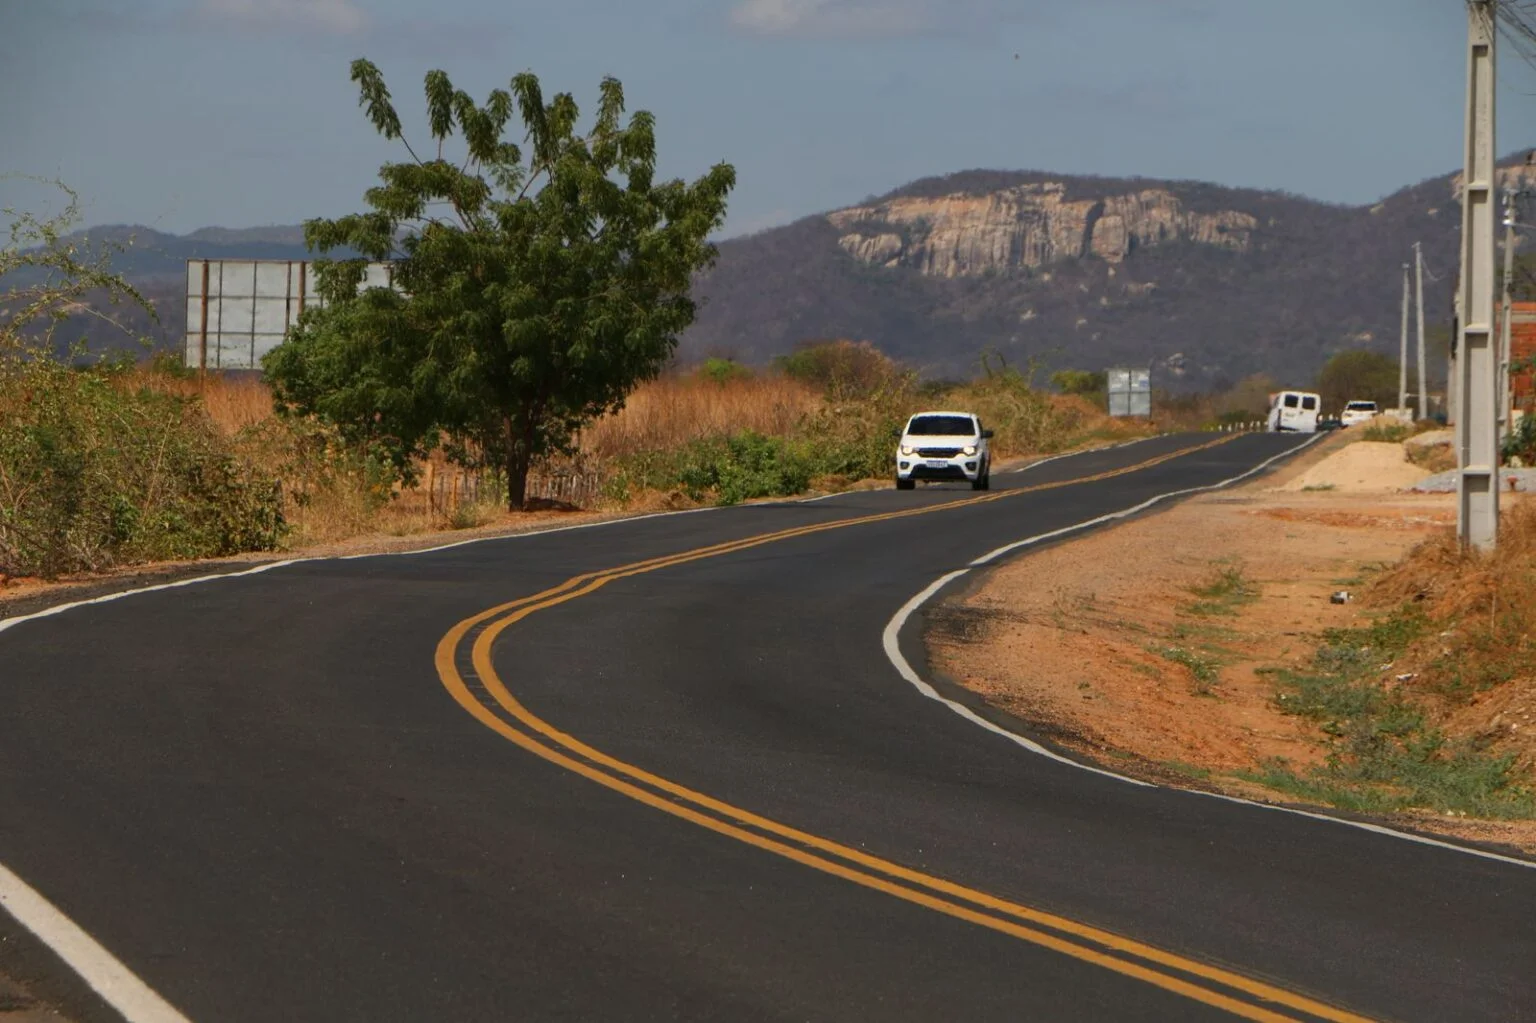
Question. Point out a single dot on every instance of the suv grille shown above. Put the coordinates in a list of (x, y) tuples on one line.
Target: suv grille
[(938, 452)]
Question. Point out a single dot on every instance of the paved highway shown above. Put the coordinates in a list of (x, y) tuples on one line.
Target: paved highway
[(668, 769)]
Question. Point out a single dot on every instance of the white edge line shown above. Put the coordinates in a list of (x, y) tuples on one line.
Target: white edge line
[(7, 623), (123, 990), (130, 996), (103, 972), (117, 985), (890, 640), (106, 598)]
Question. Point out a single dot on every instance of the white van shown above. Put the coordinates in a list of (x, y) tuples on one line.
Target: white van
[(1294, 412)]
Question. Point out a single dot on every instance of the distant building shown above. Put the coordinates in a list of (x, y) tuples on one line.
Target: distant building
[(1522, 346)]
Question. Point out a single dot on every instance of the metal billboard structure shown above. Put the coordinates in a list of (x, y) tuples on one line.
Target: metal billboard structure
[(1130, 391), (240, 309)]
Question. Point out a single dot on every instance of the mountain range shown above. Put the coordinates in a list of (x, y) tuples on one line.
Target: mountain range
[(1204, 283)]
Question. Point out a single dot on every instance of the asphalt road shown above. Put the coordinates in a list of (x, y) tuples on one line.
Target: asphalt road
[(698, 790)]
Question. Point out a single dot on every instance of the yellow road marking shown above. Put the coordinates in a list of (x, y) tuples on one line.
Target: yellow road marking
[(515, 611), (730, 546)]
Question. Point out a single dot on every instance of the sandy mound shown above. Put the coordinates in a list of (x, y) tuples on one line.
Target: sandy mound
[(1363, 465)]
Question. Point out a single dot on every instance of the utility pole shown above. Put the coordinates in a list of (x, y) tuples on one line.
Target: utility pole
[(1418, 263), (1402, 352), (1450, 357), (1476, 383), (1506, 311)]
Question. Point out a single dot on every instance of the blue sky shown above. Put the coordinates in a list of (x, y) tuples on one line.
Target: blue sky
[(185, 113)]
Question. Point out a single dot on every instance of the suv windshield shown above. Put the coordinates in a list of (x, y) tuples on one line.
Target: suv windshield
[(1361, 406), (942, 426)]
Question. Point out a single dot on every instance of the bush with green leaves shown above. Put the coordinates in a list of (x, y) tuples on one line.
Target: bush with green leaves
[(723, 371), (843, 369), (93, 474), (1521, 441), (1023, 418)]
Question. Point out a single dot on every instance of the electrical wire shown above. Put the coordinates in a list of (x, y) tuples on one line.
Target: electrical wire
[(1516, 20)]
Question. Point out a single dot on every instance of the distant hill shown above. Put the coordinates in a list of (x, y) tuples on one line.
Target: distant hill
[(1205, 283)]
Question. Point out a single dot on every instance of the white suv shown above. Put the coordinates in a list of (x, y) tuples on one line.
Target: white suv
[(1358, 412), (944, 446)]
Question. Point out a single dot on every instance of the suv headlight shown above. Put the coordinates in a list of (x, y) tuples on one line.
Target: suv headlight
[(969, 449), (908, 449)]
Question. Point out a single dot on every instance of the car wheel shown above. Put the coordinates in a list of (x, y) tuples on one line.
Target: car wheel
[(980, 482), (902, 484)]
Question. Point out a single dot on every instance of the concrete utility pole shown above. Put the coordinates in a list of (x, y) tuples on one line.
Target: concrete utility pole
[(1506, 310), (1450, 357), (1418, 262), (1402, 351), (1477, 390)]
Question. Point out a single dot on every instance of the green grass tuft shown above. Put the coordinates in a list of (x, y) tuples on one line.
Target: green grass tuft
[(1385, 756)]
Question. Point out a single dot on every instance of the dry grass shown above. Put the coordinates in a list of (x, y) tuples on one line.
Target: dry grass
[(1475, 665), (233, 402), (660, 414), (673, 410)]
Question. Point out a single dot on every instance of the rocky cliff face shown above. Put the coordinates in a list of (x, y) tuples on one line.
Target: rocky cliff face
[(1027, 226)]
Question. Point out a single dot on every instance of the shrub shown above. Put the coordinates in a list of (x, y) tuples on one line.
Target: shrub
[(1521, 440), (1023, 418), (1389, 431), (722, 371), (94, 475), (842, 369), (1089, 383)]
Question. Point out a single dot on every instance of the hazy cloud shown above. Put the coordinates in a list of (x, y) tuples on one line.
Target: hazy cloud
[(833, 17), (332, 17), (892, 18)]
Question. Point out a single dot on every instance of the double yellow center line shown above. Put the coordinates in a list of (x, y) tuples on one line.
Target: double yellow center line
[(480, 691)]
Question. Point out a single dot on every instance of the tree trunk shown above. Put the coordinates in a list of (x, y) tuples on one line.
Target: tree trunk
[(517, 465)]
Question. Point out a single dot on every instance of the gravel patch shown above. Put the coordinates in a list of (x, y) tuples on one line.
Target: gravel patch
[(1519, 480)]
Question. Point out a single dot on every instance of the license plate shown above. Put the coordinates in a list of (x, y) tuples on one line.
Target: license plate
[(934, 463)]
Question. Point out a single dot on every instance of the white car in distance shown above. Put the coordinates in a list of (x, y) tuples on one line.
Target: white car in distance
[(944, 446), (1358, 412)]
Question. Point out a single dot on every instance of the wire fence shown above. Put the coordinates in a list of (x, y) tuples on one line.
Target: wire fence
[(443, 489)]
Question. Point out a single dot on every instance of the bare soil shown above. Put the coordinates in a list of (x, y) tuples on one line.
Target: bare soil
[(1103, 644)]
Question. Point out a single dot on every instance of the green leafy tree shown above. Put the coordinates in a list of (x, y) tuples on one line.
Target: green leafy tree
[(533, 290), (1358, 375), (1080, 381)]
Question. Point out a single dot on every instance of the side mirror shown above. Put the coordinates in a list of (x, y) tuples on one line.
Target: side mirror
[(986, 434)]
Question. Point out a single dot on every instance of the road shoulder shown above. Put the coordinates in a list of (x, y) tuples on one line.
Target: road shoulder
[(1153, 656)]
